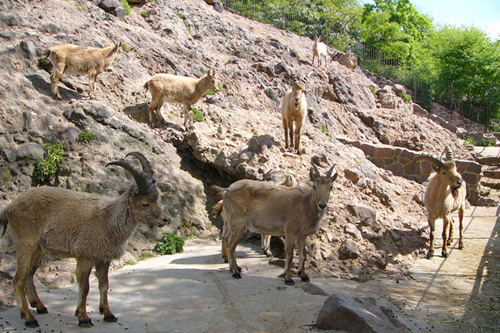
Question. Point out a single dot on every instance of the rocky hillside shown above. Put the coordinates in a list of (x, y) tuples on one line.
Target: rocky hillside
[(373, 221)]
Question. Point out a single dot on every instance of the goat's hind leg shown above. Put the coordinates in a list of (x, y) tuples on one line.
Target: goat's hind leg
[(33, 298), (446, 222), (57, 72), (233, 239), (23, 273), (83, 269), (461, 213), (289, 246), (101, 271)]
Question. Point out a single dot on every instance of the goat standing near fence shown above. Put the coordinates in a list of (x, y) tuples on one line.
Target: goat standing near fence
[(270, 209), (319, 50)]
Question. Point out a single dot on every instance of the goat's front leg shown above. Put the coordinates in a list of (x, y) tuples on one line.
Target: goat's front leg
[(432, 226), (224, 249), (289, 245), (298, 131), (101, 271), (188, 117), (449, 241), (265, 245), (446, 222), (461, 213), (285, 128), (57, 72), (83, 269), (92, 79), (301, 245)]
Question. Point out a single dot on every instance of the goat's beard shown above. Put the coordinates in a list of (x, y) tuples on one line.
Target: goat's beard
[(454, 191)]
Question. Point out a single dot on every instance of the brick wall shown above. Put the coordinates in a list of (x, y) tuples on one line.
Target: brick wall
[(455, 118)]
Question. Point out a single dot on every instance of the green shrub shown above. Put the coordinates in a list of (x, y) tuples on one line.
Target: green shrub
[(169, 244), (486, 143), (372, 89), (144, 13), (80, 6), (322, 128), (86, 136), (131, 262), (126, 48), (405, 97), (198, 116), (126, 6), (145, 255), (48, 167), (209, 93), (468, 141)]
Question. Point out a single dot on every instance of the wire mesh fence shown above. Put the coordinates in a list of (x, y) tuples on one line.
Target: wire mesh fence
[(295, 16)]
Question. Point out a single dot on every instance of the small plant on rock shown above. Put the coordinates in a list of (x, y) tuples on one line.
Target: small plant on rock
[(126, 6), (405, 97), (86, 136), (169, 244), (48, 167), (126, 48), (198, 116)]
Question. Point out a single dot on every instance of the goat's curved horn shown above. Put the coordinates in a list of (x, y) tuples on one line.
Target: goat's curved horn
[(433, 159), (329, 173), (316, 171), (144, 183), (449, 153), (146, 166)]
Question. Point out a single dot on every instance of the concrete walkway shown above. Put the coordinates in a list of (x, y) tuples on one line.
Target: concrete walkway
[(194, 292)]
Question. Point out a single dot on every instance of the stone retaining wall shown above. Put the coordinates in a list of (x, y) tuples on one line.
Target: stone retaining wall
[(401, 162), (455, 118)]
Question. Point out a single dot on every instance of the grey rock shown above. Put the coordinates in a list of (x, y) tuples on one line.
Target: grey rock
[(353, 231), (29, 48), (313, 289), (348, 250), (218, 6), (342, 312), (30, 151), (367, 215)]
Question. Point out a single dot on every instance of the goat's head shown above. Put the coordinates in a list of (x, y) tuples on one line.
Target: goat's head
[(298, 87), (211, 80), (446, 170), (322, 186), (143, 198)]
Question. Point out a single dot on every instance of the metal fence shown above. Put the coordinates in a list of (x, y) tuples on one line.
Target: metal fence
[(290, 16)]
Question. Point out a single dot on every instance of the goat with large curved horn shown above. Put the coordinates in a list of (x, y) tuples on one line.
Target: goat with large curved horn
[(145, 183), (146, 165)]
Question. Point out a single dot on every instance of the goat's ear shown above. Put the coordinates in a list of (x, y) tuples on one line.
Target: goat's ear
[(334, 177)]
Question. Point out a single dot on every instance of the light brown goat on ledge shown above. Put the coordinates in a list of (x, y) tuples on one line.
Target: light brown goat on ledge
[(270, 209), (91, 228), (178, 90), (78, 60)]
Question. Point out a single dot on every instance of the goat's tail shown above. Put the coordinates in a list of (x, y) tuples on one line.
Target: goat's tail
[(219, 191), (3, 221), (217, 209)]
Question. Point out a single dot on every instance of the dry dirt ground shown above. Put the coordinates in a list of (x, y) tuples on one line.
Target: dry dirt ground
[(194, 291)]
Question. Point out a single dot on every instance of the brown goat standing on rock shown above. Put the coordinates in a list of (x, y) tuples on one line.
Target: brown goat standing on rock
[(91, 228), (294, 110), (445, 194), (270, 209), (78, 60), (178, 90)]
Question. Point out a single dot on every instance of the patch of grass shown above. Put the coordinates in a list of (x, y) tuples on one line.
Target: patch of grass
[(72, 280), (231, 61), (228, 37), (219, 86), (48, 167), (209, 93), (126, 6), (131, 262), (486, 143), (145, 255), (372, 89), (198, 116), (144, 13), (80, 6), (169, 244), (181, 15), (86, 136), (126, 48), (53, 287), (468, 141), (405, 97), (323, 129)]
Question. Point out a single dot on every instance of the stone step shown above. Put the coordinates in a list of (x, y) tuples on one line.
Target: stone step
[(491, 172), (490, 182)]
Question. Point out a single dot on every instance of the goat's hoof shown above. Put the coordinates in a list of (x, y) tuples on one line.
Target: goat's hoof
[(31, 323), (42, 311), (237, 275), (305, 278), (444, 254), (289, 282), (239, 269), (460, 246), (430, 255), (110, 319), (85, 323)]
